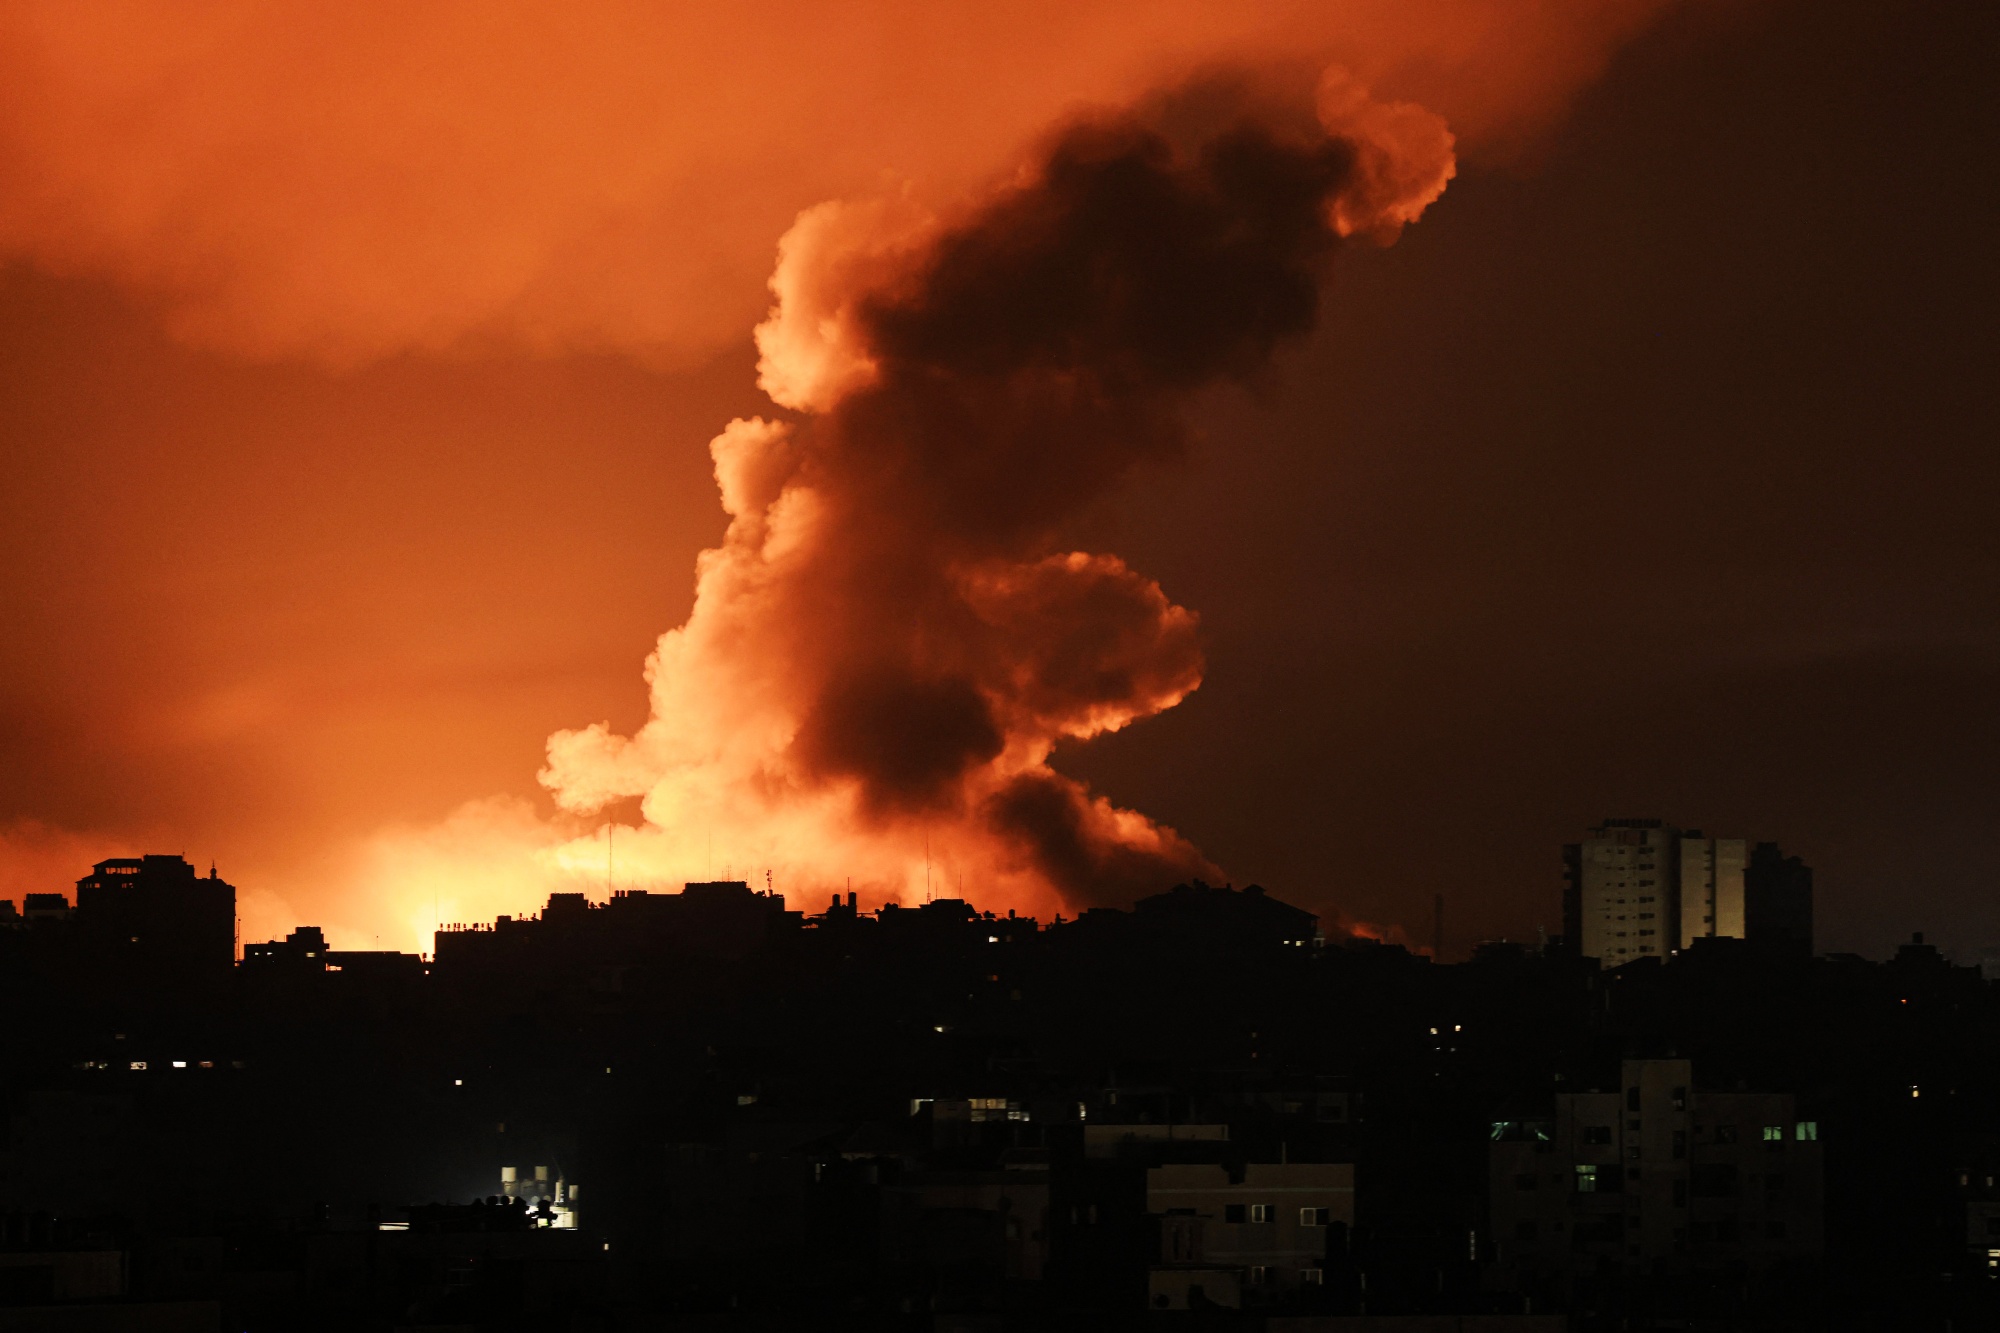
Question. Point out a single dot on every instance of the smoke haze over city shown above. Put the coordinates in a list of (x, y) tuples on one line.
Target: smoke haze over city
[(361, 371)]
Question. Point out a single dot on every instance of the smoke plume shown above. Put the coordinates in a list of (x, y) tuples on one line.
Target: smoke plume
[(892, 638)]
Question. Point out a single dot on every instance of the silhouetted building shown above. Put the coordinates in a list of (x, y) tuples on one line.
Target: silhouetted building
[(45, 907), (150, 920), (1226, 916), (1655, 1179), (1778, 902), (303, 951)]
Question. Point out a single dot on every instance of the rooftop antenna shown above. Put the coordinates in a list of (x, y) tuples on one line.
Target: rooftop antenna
[(610, 862), (927, 865)]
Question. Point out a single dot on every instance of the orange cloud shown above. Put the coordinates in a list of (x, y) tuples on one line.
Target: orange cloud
[(359, 180)]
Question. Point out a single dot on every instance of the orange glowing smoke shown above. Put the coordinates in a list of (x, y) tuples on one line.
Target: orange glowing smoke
[(893, 634), (366, 178), (892, 640)]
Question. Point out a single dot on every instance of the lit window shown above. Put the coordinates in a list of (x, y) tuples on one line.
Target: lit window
[(1312, 1277), (1259, 1275), (1806, 1131), (1586, 1180), (1260, 1212), (1774, 1133), (1315, 1217)]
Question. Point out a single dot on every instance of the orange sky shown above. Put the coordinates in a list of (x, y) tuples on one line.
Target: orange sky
[(358, 370)]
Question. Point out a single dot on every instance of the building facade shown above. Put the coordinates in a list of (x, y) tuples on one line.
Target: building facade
[(1248, 1237), (1640, 888), (1655, 1179)]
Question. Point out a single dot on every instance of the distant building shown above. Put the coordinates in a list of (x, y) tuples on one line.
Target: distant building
[(1640, 888), (1709, 887), (1778, 901), (1655, 1179), (150, 921), (1619, 904), (45, 907), (303, 950), (1250, 1237), (304, 953)]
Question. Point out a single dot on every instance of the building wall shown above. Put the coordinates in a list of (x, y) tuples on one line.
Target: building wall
[(1271, 1224), (1622, 891), (1711, 887), (1655, 1178)]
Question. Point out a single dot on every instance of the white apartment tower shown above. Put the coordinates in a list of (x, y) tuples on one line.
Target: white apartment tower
[(1638, 888)]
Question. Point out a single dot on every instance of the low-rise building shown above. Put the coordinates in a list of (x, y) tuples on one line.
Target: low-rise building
[(1245, 1237)]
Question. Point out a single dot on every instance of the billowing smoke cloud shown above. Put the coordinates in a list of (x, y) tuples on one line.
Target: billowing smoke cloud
[(892, 639)]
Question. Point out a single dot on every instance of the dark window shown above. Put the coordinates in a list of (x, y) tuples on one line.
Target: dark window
[(1632, 1099), (1234, 1212), (1597, 1133), (1524, 1182), (1680, 1144), (1524, 1230), (1713, 1180), (1725, 1133), (1680, 1194)]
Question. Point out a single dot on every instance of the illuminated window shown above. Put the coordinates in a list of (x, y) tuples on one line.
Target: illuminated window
[(1312, 1277), (1319, 1217), (1586, 1180), (1774, 1133), (1806, 1131), (1260, 1212), (1259, 1275)]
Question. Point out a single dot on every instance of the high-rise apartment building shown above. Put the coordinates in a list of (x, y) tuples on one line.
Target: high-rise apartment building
[(1619, 903), (1639, 888)]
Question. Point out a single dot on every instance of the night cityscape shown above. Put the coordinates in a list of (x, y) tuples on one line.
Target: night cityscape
[(700, 1109), (1281, 666)]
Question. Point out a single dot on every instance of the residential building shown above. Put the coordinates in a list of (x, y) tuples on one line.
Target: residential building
[(1640, 888), (152, 918), (1655, 1178), (1245, 1237), (1620, 903), (1778, 901)]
